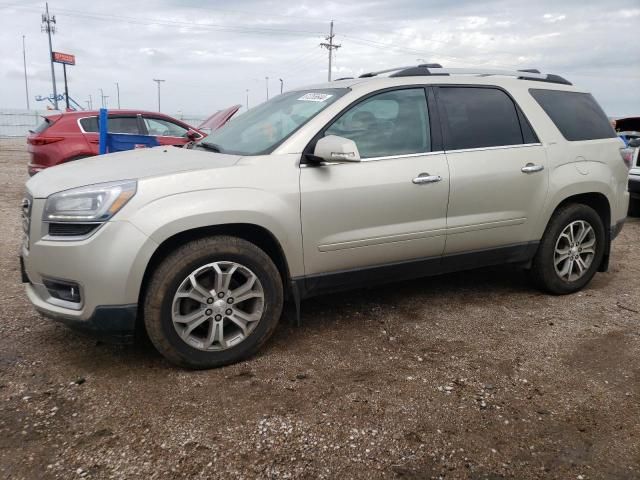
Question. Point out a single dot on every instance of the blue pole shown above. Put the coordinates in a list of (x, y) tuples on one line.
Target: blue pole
[(104, 128)]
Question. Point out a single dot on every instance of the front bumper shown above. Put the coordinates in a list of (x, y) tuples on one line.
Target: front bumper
[(108, 268)]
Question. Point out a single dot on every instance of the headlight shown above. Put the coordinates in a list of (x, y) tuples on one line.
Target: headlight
[(93, 203)]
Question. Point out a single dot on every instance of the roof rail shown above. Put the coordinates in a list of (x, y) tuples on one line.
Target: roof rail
[(424, 66), (436, 69)]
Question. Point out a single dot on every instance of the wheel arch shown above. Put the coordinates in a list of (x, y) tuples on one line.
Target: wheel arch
[(258, 235), (600, 203)]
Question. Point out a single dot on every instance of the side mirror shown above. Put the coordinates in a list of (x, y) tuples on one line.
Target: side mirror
[(336, 149), (193, 135), (634, 142)]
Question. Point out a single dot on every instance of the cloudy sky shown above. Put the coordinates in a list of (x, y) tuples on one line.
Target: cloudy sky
[(210, 52)]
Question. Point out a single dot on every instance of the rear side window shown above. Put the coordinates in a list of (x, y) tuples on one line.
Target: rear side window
[(479, 117), (116, 125), (90, 124), (577, 115)]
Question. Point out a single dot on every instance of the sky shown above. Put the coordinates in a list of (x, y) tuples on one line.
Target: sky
[(211, 52)]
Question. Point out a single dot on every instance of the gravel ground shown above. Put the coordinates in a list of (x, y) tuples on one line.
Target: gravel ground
[(472, 375)]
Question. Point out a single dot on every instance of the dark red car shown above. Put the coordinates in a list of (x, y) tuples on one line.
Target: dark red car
[(63, 137)]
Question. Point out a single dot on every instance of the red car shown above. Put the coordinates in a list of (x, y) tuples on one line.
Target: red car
[(63, 137)]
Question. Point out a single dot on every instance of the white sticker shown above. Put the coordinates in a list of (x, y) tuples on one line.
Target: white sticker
[(315, 97)]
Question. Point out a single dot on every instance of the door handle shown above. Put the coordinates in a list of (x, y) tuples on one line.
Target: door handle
[(531, 168), (426, 178)]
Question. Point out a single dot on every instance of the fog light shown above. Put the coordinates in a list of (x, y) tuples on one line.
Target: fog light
[(67, 291)]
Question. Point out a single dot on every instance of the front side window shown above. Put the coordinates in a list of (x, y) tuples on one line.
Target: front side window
[(164, 128), (479, 118), (260, 130), (387, 124)]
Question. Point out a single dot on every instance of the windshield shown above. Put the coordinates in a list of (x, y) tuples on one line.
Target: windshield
[(261, 129)]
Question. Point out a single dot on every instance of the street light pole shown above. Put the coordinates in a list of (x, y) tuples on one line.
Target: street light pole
[(281, 86), (90, 102), (24, 61), (118, 92), (247, 99), (158, 81), (267, 82)]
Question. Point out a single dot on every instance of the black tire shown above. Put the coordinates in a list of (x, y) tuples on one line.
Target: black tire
[(634, 207), (543, 272), (166, 279)]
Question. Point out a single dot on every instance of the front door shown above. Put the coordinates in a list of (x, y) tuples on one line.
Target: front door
[(390, 207)]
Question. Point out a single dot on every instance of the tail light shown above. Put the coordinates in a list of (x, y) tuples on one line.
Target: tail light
[(43, 140), (627, 156)]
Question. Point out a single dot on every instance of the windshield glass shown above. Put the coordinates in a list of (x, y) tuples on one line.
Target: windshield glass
[(261, 129)]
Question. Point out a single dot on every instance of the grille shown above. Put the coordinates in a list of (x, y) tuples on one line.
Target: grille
[(71, 229), (26, 220)]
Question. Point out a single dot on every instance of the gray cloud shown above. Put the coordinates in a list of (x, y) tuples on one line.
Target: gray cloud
[(211, 52)]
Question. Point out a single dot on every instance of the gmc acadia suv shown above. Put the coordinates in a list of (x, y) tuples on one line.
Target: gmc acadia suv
[(355, 182)]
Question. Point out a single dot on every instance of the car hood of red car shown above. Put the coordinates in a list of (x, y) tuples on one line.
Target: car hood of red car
[(219, 118), (129, 165)]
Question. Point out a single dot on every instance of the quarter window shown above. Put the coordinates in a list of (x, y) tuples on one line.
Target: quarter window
[(478, 118), (387, 124), (577, 115)]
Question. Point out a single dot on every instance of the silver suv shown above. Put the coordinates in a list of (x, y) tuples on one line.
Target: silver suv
[(350, 183)]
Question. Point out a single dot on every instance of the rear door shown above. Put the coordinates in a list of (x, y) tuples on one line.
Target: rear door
[(499, 179), (166, 131), (130, 124)]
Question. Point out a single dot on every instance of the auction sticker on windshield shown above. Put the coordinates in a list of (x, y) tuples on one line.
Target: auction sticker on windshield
[(315, 97)]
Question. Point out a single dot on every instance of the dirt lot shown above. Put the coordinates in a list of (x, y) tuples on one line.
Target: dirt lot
[(473, 375)]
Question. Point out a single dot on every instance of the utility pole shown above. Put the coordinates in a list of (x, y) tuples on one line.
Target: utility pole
[(247, 99), (103, 99), (118, 91), (90, 102), (330, 46), (158, 81), (267, 82), (49, 26), (281, 86), (24, 61)]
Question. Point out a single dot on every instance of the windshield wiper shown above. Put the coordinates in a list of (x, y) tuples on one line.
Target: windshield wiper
[(210, 146)]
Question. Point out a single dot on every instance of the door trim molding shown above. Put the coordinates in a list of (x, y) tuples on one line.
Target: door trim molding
[(318, 284)]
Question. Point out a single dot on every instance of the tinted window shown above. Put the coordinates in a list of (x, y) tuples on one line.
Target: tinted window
[(164, 128), (390, 123), (577, 115), (89, 124), (479, 117), (123, 125), (116, 125)]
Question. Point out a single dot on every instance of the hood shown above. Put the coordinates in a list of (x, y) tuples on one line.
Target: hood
[(218, 119), (129, 165)]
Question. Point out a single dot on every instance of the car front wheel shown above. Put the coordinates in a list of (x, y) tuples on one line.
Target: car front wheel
[(213, 302), (570, 251)]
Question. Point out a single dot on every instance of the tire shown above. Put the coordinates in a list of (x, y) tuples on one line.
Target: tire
[(544, 273), (634, 207), (170, 291)]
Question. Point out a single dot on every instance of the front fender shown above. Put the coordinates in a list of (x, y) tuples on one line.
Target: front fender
[(167, 216)]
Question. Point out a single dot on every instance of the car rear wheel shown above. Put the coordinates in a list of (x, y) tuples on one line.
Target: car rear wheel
[(570, 251), (213, 302)]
